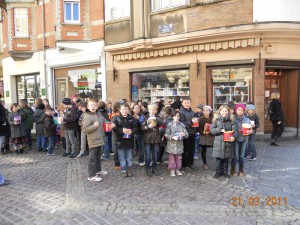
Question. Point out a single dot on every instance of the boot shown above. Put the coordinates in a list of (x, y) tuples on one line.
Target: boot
[(173, 173), (233, 173), (275, 141), (225, 169), (149, 173), (129, 172), (241, 169), (154, 171)]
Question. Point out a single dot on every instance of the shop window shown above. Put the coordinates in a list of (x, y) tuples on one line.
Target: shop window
[(157, 5), (28, 87), (160, 86), (116, 9), (231, 84), (72, 11), (21, 22), (86, 84)]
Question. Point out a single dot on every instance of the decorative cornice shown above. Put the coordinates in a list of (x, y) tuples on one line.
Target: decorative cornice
[(231, 44)]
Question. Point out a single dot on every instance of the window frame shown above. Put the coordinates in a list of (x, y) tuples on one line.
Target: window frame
[(72, 2), (16, 17), (110, 4), (167, 6)]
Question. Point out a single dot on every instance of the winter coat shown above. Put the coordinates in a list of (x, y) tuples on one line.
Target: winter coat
[(169, 119), (28, 117), (254, 118), (139, 124), (49, 126), (70, 119), (4, 125), (152, 135), (104, 113), (239, 120), (81, 119), (38, 118), (16, 130), (277, 111), (61, 127), (205, 139), (176, 104), (125, 122), (95, 135), (223, 149), (186, 116), (173, 146)]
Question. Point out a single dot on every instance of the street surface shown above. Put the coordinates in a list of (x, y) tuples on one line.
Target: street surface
[(55, 190)]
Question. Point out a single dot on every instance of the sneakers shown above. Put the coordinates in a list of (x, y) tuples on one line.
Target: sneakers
[(79, 155), (178, 173), (142, 164), (196, 157), (217, 175), (205, 166), (117, 167), (50, 154), (252, 158), (72, 155), (66, 154), (95, 179), (102, 172), (226, 175), (173, 173)]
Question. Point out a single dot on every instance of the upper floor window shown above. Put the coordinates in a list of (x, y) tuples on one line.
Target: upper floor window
[(72, 11), (157, 5), (116, 9), (21, 22)]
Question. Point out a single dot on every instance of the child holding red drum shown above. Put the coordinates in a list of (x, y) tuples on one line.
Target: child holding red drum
[(223, 121), (240, 144)]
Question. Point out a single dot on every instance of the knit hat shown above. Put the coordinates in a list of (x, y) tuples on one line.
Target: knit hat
[(240, 105), (66, 101), (208, 107), (250, 107), (199, 106)]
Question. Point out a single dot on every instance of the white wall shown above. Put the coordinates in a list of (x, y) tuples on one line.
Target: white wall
[(276, 10)]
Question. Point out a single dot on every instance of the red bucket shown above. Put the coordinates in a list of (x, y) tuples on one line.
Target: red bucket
[(107, 126), (245, 128), (196, 124), (227, 135)]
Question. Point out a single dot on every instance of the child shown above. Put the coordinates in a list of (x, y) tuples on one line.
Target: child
[(92, 126), (254, 120), (108, 143), (38, 118), (126, 127), (206, 139), (139, 136), (18, 135), (60, 110), (82, 106), (175, 133), (241, 140), (113, 117), (69, 121), (152, 138), (50, 130), (103, 111), (223, 121), (199, 110)]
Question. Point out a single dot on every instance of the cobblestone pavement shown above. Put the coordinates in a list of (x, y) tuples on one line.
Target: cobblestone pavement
[(55, 190)]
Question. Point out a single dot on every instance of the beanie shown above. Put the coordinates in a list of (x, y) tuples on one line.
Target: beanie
[(240, 105), (199, 106), (208, 107), (250, 107), (66, 101)]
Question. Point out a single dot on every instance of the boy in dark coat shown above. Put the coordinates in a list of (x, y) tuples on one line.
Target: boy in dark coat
[(50, 130)]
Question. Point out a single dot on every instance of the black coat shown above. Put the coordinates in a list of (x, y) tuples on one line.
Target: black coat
[(186, 116), (152, 135), (277, 111), (38, 118), (49, 126), (125, 122), (4, 125), (70, 120)]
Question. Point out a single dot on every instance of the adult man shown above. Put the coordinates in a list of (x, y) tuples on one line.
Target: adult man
[(3, 128), (188, 117)]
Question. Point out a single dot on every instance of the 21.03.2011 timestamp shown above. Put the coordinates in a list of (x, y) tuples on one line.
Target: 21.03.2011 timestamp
[(259, 201)]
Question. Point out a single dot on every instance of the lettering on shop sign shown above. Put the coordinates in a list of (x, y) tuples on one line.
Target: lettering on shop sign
[(166, 28)]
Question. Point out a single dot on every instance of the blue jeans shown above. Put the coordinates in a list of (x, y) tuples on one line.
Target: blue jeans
[(125, 158), (239, 152), (141, 147), (151, 149), (41, 143), (2, 142), (52, 141), (108, 144), (251, 146), (28, 135)]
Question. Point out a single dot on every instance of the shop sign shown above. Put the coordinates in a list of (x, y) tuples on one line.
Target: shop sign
[(7, 94), (166, 28), (43, 90), (83, 79)]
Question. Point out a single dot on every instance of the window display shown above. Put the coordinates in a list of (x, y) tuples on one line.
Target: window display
[(164, 85), (231, 84), (28, 88)]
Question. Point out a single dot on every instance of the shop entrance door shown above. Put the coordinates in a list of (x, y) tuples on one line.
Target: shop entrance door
[(284, 81), (28, 87), (61, 89)]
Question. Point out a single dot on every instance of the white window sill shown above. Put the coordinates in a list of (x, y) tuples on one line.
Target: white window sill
[(72, 23)]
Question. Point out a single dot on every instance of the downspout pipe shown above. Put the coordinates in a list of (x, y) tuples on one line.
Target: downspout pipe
[(44, 53)]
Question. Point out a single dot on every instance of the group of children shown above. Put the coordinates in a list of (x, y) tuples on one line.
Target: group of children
[(150, 130)]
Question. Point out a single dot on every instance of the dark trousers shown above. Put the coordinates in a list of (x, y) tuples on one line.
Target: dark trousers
[(203, 153), (63, 140), (221, 166), (161, 152), (277, 130), (28, 136), (94, 164), (188, 151)]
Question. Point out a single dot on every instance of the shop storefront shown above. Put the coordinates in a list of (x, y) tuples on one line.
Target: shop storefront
[(157, 86), (28, 87)]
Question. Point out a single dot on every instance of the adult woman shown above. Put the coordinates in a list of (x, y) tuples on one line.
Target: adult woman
[(276, 117)]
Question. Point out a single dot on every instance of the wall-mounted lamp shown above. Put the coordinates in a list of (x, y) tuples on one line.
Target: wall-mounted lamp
[(115, 74)]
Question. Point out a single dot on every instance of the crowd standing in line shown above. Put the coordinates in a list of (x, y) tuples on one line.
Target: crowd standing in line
[(101, 129)]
